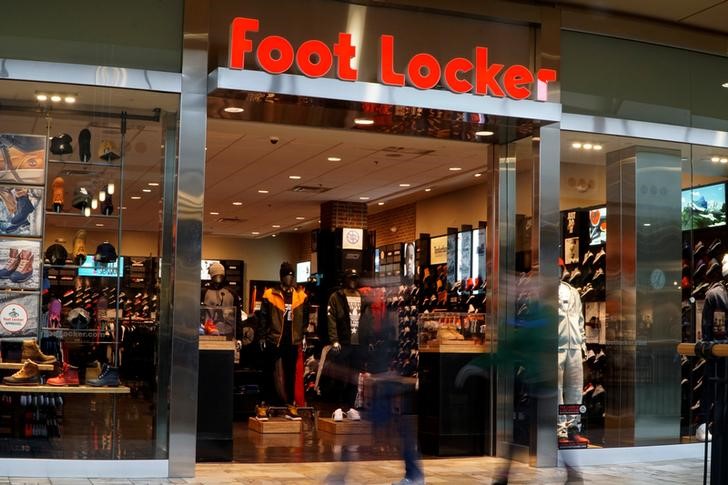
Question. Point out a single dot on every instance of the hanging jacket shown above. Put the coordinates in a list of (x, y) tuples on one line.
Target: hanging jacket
[(572, 335), (339, 320), (273, 315)]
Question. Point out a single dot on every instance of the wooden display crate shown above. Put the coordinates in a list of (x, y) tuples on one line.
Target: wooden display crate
[(346, 426), (275, 425)]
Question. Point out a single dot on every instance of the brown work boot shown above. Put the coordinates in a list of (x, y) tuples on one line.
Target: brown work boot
[(11, 263), (28, 375), (31, 351), (9, 200)]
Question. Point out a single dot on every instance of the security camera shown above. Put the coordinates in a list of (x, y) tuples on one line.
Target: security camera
[(274, 140)]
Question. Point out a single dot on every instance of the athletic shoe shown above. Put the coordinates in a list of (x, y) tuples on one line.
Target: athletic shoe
[(338, 415), (598, 274), (599, 255), (353, 415), (699, 248), (574, 275), (292, 413), (587, 257), (715, 247), (261, 411)]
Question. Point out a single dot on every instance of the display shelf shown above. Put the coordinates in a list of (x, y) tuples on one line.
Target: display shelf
[(457, 347), (206, 344), (86, 164), (79, 214), (19, 365), (61, 266), (65, 390)]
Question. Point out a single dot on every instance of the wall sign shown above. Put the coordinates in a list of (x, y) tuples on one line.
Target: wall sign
[(353, 239), (314, 58)]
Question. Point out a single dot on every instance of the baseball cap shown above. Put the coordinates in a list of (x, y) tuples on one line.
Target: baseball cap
[(105, 253)]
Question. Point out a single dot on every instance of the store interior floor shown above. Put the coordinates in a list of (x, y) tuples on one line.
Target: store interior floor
[(462, 471)]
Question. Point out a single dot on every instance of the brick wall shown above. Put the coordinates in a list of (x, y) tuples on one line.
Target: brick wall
[(337, 214), (403, 218)]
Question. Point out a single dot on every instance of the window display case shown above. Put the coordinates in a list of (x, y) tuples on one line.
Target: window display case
[(455, 332)]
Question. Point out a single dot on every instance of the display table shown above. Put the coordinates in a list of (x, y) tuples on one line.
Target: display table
[(275, 426), (453, 421), (215, 401), (347, 426)]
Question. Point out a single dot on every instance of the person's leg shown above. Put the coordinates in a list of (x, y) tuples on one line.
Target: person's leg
[(410, 453), (573, 383), (560, 389)]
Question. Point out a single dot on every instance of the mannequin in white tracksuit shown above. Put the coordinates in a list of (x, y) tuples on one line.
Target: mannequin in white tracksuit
[(572, 347)]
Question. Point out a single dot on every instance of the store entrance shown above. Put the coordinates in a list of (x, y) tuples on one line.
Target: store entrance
[(347, 278)]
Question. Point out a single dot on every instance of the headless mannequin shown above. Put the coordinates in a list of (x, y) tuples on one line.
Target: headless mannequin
[(349, 325), (572, 348)]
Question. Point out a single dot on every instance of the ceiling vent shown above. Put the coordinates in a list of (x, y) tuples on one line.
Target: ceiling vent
[(310, 189), (406, 151), (230, 220)]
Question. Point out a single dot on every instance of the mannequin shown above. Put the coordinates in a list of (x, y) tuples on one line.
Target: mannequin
[(716, 301), (350, 331), (283, 316), (220, 302), (572, 348)]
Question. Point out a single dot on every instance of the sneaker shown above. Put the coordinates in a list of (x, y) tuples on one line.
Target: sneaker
[(24, 271), (599, 255), (587, 257), (597, 274), (338, 415), (292, 413), (261, 411), (410, 481), (11, 263), (574, 275), (353, 415)]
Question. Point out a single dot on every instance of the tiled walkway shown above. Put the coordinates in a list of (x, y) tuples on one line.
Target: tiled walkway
[(450, 471)]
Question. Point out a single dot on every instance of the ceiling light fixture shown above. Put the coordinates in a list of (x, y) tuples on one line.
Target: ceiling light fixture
[(98, 224), (405, 185), (233, 109), (146, 190), (255, 233), (70, 99), (363, 121), (213, 213), (428, 189), (237, 203), (55, 98), (483, 133), (135, 197), (41, 97), (364, 198), (724, 160), (588, 146), (334, 159), (715, 159), (725, 84), (380, 203), (300, 218), (597, 147), (478, 174), (295, 229), (535, 138), (94, 203), (153, 184), (274, 235), (276, 226), (110, 188), (262, 191), (455, 169), (576, 145), (294, 177)]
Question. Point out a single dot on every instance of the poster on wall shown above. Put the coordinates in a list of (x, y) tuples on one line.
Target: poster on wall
[(465, 255), (409, 260), (21, 210), (438, 250), (20, 264), (23, 159), (352, 238), (598, 226), (452, 258), (571, 250), (18, 315)]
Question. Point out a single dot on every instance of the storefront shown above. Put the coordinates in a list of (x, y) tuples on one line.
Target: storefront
[(435, 168)]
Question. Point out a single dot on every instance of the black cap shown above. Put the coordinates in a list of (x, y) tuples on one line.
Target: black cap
[(56, 255), (286, 269), (351, 273), (105, 253)]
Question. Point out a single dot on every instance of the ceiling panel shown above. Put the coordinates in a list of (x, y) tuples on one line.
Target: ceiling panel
[(673, 10), (715, 18)]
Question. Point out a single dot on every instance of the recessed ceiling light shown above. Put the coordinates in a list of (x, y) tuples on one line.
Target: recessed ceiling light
[(55, 98), (300, 218), (276, 226), (715, 159), (597, 147), (294, 177), (255, 233), (153, 184), (588, 146), (233, 109), (536, 138), (478, 175), (213, 213), (454, 169), (647, 224), (274, 235), (41, 97), (363, 121), (261, 191), (724, 160), (237, 203), (576, 145), (295, 229), (146, 190), (725, 85), (364, 198), (70, 99), (123, 207), (135, 197), (380, 203), (428, 189), (483, 133), (334, 159), (98, 224), (404, 185)]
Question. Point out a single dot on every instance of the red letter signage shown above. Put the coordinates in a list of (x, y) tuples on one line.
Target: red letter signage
[(315, 58)]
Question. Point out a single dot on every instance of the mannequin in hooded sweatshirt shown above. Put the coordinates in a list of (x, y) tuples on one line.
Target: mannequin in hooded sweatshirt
[(572, 348), (220, 301)]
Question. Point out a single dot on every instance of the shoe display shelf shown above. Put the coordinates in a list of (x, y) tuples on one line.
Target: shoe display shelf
[(46, 389), (346, 426), (275, 426), (24, 416), (390, 264)]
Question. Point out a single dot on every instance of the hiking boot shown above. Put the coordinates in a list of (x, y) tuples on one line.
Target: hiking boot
[(338, 415), (79, 247), (11, 263), (28, 375), (109, 377), (24, 208), (292, 412), (57, 192), (31, 351), (24, 271), (353, 415), (211, 328), (261, 411), (8, 199), (67, 377)]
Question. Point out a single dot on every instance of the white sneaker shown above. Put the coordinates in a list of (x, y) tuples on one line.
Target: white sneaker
[(338, 415), (353, 415)]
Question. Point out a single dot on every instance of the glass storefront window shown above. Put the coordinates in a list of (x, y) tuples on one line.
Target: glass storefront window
[(80, 231)]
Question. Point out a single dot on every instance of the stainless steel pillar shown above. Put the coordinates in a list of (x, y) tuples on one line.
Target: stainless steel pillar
[(643, 296), (188, 241)]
